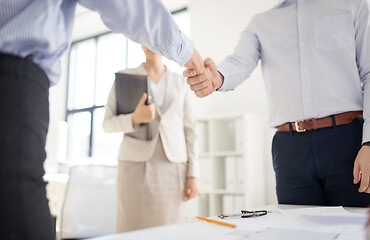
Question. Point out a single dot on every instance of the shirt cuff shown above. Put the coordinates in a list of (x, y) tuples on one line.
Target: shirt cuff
[(193, 170), (225, 86), (366, 132), (186, 50)]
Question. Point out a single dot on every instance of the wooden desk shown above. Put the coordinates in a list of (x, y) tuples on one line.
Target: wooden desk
[(348, 227)]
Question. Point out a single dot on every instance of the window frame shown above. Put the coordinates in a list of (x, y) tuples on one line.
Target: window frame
[(94, 107), (91, 109)]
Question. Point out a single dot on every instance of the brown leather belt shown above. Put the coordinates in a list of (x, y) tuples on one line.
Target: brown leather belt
[(314, 123)]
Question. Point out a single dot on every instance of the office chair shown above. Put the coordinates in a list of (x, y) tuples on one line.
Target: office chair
[(89, 208)]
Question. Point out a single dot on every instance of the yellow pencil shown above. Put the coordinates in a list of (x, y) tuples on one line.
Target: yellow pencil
[(217, 222)]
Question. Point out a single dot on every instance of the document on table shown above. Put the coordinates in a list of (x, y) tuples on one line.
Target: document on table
[(194, 231), (328, 215), (319, 223), (286, 234), (319, 211), (336, 220), (304, 223)]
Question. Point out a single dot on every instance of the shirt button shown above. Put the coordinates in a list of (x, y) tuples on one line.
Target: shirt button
[(301, 19), (304, 71), (306, 99), (302, 45)]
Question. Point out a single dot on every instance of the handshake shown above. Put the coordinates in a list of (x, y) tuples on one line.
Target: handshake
[(202, 76)]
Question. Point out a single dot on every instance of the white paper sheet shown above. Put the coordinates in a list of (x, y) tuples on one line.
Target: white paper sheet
[(194, 231), (328, 215), (317, 211), (320, 223), (360, 236), (284, 234)]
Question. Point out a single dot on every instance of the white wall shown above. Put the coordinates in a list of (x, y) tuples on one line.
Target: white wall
[(216, 25)]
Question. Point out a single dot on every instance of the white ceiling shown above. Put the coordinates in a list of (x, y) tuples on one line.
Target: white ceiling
[(171, 5)]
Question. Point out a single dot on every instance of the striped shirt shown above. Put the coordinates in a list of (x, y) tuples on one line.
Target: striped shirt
[(41, 29)]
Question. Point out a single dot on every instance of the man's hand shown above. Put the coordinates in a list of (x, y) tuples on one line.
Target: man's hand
[(143, 113), (361, 170), (203, 84), (196, 63), (191, 188)]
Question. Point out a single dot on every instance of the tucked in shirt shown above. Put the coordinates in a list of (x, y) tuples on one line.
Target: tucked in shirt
[(314, 56), (41, 30)]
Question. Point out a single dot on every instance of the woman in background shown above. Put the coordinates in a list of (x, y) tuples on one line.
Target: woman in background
[(155, 177)]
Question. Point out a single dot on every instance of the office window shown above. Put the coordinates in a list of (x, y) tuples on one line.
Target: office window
[(92, 65)]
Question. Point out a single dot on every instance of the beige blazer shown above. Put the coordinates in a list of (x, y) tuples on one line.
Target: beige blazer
[(174, 124)]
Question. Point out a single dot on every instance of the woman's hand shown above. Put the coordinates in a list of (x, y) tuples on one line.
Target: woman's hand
[(191, 188), (143, 113)]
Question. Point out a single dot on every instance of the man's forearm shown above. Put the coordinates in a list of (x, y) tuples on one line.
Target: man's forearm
[(145, 22)]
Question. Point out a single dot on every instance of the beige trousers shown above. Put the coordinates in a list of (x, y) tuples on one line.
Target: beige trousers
[(150, 193)]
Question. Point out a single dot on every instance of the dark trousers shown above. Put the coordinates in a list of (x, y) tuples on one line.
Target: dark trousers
[(24, 119), (316, 167)]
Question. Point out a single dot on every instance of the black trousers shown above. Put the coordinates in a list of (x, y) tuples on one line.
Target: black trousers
[(24, 119), (316, 167)]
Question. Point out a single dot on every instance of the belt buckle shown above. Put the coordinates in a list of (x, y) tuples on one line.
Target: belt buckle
[(297, 127)]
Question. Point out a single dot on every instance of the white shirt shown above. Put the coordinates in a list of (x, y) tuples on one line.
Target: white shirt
[(315, 57), (159, 90)]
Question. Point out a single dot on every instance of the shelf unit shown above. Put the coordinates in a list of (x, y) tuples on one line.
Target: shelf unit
[(231, 161)]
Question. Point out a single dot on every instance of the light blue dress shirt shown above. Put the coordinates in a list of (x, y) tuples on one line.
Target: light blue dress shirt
[(42, 29), (315, 58)]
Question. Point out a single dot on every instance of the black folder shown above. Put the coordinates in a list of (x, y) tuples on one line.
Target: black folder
[(129, 90)]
